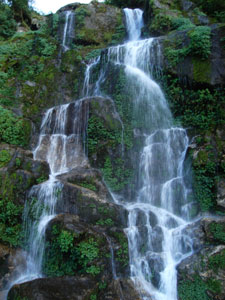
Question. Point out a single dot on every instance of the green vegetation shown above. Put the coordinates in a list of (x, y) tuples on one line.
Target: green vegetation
[(80, 14), (106, 222), (13, 130), (200, 109), (199, 46), (10, 222), (205, 180), (42, 179), (5, 157), (195, 289), (89, 186), (115, 174), (217, 261), (212, 7), (8, 24), (218, 231), (127, 3), (97, 131), (70, 254), (122, 254)]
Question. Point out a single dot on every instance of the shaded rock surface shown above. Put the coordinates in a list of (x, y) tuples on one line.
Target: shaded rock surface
[(74, 288), (207, 262), (193, 70), (20, 172)]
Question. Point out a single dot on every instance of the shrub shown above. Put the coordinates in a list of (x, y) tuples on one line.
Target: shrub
[(13, 130)]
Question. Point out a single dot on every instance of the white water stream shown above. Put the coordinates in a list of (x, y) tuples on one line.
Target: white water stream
[(161, 209), (62, 145), (68, 31)]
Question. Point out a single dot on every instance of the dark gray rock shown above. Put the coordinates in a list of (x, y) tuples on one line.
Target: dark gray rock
[(73, 288), (193, 70)]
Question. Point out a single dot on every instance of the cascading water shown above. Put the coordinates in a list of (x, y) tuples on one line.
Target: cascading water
[(62, 145), (68, 31), (161, 209)]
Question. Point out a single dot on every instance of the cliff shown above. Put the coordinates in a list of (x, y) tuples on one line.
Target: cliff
[(86, 253)]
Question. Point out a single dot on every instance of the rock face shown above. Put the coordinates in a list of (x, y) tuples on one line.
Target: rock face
[(84, 194), (20, 171), (192, 70), (74, 288), (205, 267), (87, 251), (110, 257)]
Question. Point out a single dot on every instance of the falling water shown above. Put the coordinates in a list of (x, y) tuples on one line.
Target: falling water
[(62, 145), (68, 32), (158, 215), (160, 212)]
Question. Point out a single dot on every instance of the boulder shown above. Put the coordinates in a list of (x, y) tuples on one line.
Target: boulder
[(90, 207), (221, 193), (20, 172), (194, 70), (205, 267), (111, 242), (73, 288)]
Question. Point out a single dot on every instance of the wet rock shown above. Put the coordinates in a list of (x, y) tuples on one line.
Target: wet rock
[(111, 241), (90, 206), (221, 193), (187, 5), (141, 218), (211, 71), (208, 265), (99, 19), (88, 178), (152, 219), (214, 229), (9, 261), (73, 288), (59, 288), (157, 237), (20, 173), (207, 262)]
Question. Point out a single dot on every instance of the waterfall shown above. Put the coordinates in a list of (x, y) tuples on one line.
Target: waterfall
[(161, 210), (68, 31), (62, 144)]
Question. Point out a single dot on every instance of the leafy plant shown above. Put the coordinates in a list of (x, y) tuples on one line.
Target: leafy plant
[(195, 289), (217, 261), (10, 222), (218, 231), (13, 130), (5, 157), (67, 254)]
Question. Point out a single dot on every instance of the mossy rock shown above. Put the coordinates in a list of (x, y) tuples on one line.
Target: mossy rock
[(94, 21), (201, 71)]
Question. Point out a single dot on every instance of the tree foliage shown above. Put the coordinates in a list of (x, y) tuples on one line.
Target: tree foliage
[(127, 3)]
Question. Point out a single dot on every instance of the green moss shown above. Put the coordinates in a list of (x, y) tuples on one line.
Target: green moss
[(214, 285), (80, 13), (13, 130), (122, 254), (89, 186), (10, 211), (218, 231), (217, 261), (195, 289), (5, 158), (201, 70)]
